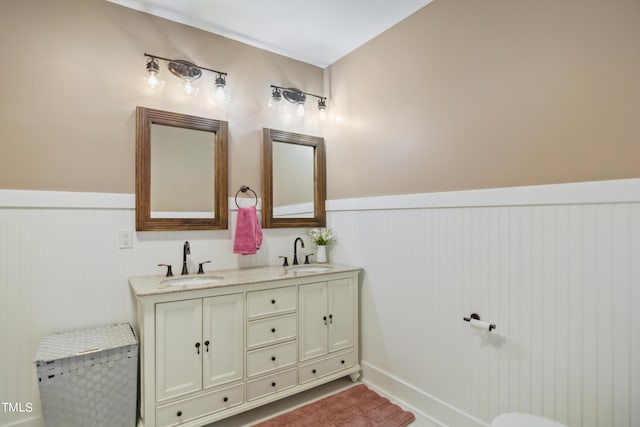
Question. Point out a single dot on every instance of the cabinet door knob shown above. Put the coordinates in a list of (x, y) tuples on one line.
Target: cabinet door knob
[(273, 358), (198, 347), (342, 361), (225, 399), (206, 343), (273, 330), (179, 413), (331, 318), (273, 301), (325, 320)]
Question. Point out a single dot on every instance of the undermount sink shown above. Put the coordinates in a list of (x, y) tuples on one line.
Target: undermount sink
[(308, 268), (192, 280)]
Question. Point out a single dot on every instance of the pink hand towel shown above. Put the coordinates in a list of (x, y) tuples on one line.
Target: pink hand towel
[(248, 232)]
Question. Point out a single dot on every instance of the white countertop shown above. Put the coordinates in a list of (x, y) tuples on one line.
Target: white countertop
[(156, 285)]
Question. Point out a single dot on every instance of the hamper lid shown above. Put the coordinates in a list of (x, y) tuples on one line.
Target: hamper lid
[(76, 343)]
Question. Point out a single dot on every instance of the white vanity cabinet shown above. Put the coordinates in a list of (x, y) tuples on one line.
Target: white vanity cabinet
[(328, 329), (198, 344), (209, 352)]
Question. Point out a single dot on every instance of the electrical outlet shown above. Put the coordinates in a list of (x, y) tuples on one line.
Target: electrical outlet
[(126, 239)]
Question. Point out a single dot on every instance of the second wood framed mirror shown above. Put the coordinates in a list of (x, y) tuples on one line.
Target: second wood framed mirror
[(293, 180)]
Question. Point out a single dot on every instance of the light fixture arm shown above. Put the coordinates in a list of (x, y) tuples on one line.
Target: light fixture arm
[(281, 88), (194, 65)]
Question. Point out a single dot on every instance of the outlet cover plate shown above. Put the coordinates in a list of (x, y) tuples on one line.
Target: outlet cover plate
[(125, 237)]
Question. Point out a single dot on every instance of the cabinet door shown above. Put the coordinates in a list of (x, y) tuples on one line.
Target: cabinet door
[(222, 339), (342, 314), (178, 348), (313, 321)]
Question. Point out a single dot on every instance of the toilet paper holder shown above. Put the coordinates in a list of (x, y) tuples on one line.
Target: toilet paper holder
[(476, 316)]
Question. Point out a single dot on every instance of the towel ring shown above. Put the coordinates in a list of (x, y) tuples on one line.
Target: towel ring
[(244, 189)]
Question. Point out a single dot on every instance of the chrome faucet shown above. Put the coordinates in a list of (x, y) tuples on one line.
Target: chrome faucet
[(295, 249), (186, 250)]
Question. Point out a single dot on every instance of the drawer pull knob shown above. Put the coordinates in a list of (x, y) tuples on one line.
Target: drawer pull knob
[(342, 361), (313, 372), (225, 399), (273, 384), (273, 358), (273, 330), (179, 413), (273, 301)]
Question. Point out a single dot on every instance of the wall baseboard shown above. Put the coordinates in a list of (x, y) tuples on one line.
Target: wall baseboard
[(429, 407)]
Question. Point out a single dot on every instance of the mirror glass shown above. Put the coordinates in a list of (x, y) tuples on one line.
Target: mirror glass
[(293, 180), (182, 180), (181, 171)]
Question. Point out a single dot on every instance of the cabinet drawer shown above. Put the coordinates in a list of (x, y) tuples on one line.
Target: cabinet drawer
[(313, 370), (271, 330), (271, 384), (271, 358), (271, 301), (188, 409)]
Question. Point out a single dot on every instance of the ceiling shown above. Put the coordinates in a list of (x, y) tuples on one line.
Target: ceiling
[(312, 31)]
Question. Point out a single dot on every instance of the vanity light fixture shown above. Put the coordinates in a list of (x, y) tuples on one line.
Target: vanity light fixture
[(322, 107), (296, 97), (187, 72), (220, 88), (276, 97), (152, 79)]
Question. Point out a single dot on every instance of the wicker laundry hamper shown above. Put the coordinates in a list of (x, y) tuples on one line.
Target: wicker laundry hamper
[(89, 378)]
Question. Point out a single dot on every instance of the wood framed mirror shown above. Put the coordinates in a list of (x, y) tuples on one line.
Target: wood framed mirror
[(293, 180), (181, 171)]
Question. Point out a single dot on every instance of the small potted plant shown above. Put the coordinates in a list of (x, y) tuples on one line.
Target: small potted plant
[(322, 237)]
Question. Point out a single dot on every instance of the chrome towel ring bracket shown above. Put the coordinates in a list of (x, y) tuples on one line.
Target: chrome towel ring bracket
[(244, 189)]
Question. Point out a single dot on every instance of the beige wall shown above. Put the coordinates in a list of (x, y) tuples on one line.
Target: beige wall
[(475, 94), (72, 76), (479, 94)]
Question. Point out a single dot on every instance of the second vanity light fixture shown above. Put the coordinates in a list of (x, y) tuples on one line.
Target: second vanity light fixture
[(187, 72), (296, 97)]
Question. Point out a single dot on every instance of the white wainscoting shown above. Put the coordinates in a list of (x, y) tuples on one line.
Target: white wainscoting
[(560, 281), (61, 268)]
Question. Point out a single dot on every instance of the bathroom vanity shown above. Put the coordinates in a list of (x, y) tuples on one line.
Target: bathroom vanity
[(221, 343)]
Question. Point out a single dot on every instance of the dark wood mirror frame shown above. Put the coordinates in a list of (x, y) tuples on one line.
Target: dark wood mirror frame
[(319, 179), (145, 117)]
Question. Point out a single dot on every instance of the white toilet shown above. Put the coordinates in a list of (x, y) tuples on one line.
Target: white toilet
[(518, 419)]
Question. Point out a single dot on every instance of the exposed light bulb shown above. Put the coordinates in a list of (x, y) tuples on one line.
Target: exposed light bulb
[(189, 89), (220, 92), (276, 98), (322, 107), (152, 69), (300, 110), (154, 82)]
